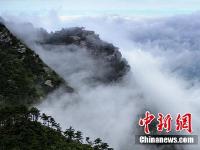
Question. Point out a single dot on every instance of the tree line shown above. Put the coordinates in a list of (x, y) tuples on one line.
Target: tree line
[(13, 117)]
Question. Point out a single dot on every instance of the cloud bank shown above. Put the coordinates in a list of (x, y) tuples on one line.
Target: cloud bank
[(163, 54)]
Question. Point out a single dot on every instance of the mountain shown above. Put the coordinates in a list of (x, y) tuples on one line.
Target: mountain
[(24, 77), (105, 55), (25, 80)]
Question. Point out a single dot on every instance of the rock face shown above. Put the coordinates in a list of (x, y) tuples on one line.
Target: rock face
[(106, 54), (24, 78)]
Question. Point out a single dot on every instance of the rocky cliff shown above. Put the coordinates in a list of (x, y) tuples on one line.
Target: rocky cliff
[(106, 55)]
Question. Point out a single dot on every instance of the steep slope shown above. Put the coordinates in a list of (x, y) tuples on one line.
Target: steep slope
[(24, 78), (107, 59)]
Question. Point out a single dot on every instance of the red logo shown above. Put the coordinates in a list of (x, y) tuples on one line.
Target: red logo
[(146, 121), (183, 122), (164, 122)]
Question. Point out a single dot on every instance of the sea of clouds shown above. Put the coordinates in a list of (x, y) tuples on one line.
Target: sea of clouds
[(164, 56)]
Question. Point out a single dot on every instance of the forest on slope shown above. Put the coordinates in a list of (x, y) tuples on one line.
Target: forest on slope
[(26, 80)]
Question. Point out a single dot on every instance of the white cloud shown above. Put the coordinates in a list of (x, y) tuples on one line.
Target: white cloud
[(153, 48)]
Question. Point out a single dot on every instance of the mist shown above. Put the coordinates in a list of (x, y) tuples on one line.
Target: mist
[(163, 54)]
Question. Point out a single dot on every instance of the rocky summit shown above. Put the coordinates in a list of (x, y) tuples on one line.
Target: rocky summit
[(106, 55)]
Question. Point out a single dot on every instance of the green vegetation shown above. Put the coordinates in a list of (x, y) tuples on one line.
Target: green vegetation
[(27, 129), (23, 75), (24, 80)]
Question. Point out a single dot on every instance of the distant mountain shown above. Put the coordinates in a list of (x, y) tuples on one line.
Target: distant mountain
[(24, 77)]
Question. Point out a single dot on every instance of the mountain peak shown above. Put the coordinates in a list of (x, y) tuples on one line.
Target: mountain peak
[(105, 54)]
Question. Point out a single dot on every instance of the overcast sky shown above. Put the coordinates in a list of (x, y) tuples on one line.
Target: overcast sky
[(100, 7)]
